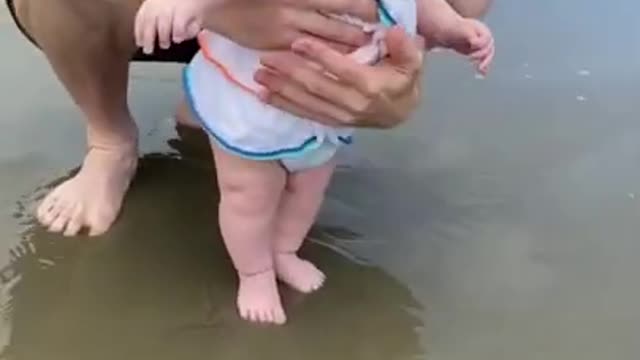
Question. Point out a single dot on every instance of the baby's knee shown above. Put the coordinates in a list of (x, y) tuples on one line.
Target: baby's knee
[(312, 185), (248, 198), (309, 194)]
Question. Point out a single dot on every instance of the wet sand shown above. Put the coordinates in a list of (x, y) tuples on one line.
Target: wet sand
[(501, 223)]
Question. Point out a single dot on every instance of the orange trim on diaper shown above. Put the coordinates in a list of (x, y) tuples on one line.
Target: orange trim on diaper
[(206, 52)]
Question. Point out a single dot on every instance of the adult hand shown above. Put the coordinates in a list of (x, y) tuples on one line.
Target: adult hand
[(276, 24), (356, 95)]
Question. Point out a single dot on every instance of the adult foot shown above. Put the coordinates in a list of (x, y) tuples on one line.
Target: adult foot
[(93, 197), (298, 273), (259, 300)]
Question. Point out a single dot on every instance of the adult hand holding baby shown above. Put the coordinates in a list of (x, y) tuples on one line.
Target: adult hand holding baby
[(363, 96), (357, 95), (257, 24)]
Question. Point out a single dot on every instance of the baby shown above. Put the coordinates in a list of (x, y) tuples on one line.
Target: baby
[(272, 167)]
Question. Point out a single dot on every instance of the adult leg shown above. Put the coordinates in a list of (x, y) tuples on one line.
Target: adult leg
[(301, 201), (88, 44), (249, 195)]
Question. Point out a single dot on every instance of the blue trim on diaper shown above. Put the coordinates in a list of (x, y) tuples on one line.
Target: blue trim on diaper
[(308, 145), (385, 16)]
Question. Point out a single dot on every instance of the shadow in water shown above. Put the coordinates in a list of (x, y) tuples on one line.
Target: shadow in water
[(159, 285)]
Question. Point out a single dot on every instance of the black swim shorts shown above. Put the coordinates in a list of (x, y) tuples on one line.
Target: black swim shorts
[(178, 53)]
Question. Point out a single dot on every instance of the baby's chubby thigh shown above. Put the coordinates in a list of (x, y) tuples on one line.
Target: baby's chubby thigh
[(248, 188)]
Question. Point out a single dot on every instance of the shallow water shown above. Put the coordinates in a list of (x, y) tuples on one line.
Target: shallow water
[(500, 224)]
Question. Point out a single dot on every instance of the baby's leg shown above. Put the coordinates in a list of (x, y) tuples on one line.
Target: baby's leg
[(250, 192), (301, 201)]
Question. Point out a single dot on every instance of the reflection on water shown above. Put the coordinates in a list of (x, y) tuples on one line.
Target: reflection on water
[(9, 278), (151, 290)]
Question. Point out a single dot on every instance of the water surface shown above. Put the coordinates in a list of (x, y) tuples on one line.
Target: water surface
[(501, 223)]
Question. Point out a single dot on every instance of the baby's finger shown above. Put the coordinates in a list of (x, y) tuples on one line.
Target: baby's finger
[(193, 29), (480, 54), (149, 35), (481, 36), (139, 25), (165, 25), (180, 24), (483, 49), (484, 65), (282, 103), (479, 40)]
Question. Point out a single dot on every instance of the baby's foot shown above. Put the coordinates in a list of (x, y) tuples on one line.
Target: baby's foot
[(300, 274), (259, 300), (93, 197)]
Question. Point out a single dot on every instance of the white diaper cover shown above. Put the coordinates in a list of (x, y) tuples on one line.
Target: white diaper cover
[(222, 94)]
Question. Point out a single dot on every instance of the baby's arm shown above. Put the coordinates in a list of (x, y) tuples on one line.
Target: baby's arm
[(435, 17), (168, 21), (442, 26), (471, 8)]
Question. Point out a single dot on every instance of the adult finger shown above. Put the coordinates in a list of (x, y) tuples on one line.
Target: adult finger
[(403, 52), (329, 28), (312, 78), (403, 56), (285, 61), (297, 95), (276, 100), (341, 48), (341, 66), (165, 27)]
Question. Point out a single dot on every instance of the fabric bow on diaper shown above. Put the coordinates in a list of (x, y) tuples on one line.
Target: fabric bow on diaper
[(376, 49)]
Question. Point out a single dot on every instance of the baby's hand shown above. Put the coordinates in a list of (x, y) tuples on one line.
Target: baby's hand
[(471, 38), (168, 21)]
